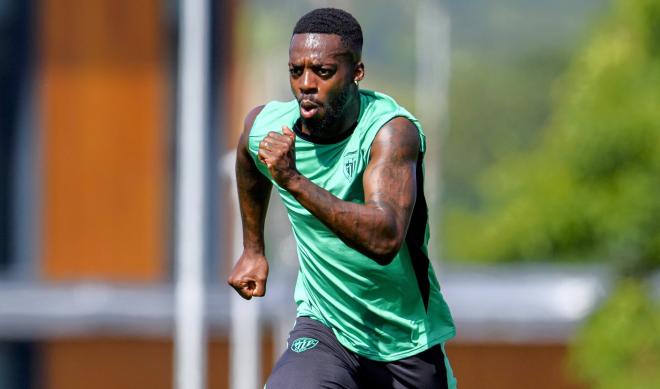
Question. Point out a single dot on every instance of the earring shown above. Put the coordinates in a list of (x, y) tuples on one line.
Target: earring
[(356, 82)]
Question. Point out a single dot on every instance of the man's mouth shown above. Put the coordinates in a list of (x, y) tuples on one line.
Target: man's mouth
[(308, 108)]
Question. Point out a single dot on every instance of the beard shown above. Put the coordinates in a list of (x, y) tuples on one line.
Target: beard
[(319, 125)]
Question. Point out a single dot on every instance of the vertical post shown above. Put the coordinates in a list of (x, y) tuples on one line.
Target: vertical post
[(432, 92), (190, 335)]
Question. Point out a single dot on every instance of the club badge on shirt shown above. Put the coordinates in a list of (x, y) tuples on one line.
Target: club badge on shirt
[(350, 164)]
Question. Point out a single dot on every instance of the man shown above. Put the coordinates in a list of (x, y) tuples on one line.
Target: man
[(347, 164)]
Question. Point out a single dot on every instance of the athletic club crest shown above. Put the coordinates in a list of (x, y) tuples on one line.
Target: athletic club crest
[(303, 344), (350, 164)]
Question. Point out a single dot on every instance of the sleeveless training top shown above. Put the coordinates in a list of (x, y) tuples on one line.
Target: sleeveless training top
[(381, 312)]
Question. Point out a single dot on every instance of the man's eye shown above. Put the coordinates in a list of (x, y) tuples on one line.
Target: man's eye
[(324, 72), (295, 71)]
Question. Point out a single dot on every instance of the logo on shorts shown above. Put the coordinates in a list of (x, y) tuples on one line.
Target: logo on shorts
[(303, 344), (350, 164)]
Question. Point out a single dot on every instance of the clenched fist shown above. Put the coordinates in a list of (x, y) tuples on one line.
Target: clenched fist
[(249, 275), (277, 151)]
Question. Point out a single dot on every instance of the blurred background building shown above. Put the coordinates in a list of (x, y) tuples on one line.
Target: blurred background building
[(542, 117)]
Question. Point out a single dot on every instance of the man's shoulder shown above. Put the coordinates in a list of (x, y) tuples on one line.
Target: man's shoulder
[(379, 99), (381, 111), (270, 111), (278, 106), (380, 108), (252, 116)]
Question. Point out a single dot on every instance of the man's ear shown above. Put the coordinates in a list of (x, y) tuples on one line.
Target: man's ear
[(358, 72)]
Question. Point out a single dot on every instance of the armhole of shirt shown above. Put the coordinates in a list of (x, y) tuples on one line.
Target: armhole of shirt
[(371, 135), (254, 154)]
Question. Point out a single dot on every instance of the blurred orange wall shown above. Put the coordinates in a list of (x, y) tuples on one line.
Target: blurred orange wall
[(508, 365), (126, 363), (104, 103), (129, 363), (105, 109)]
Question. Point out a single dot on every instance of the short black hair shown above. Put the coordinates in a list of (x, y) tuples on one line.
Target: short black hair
[(332, 21)]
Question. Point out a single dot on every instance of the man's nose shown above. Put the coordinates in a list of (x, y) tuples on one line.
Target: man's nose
[(308, 82)]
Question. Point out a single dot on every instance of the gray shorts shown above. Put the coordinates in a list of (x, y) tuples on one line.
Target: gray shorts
[(314, 359)]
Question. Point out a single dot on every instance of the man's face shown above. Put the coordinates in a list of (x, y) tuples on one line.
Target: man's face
[(322, 74)]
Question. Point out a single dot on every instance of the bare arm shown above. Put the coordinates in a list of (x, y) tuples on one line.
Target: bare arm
[(251, 270), (378, 227), (253, 191)]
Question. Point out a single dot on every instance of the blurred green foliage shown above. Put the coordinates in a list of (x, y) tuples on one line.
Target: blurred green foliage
[(619, 347), (589, 190), (506, 56)]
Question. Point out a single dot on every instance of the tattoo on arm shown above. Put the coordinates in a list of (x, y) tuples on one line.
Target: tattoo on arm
[(378, 227)]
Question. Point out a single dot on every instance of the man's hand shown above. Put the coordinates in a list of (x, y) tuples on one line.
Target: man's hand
[(277, 151), (249, 275)]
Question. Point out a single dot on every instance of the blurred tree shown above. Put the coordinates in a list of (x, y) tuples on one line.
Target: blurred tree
[(620, 345), (506, 56), (589, 190)]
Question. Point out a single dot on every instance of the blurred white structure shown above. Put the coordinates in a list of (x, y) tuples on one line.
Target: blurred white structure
[(516, 304), (523, 304), (190, 336), (433, 60)]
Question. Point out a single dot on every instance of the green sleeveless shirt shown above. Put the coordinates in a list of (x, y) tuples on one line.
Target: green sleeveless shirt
[(381, 312)]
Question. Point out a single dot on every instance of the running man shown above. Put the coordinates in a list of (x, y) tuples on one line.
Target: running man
[(347, 163)]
